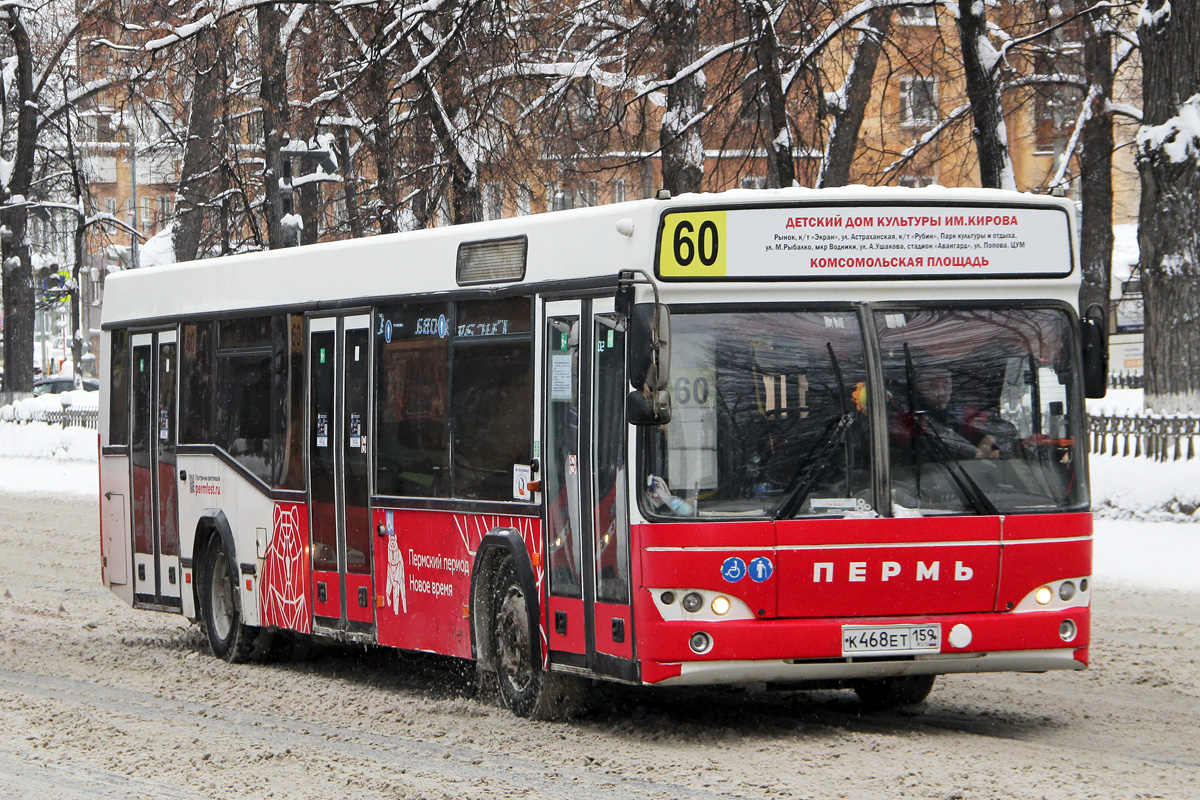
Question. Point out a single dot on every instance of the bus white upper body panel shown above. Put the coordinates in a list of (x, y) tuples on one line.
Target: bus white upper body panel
[(586, 243)]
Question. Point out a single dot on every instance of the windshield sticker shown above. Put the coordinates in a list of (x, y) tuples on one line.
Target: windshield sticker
[(560, 377)]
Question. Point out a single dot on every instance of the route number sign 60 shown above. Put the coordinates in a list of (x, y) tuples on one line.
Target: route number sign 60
[(692, 245)]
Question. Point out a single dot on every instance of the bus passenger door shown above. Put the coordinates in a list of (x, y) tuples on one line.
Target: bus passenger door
[(587, 533), (608, 472), (155, 492), (339, 375)]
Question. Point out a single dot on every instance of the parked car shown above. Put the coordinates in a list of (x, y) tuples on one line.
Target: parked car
[(63, 383)]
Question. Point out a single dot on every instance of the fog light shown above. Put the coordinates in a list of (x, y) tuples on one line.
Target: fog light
[(700, 642), (1043, 595), (720, 605), (692, 601), (1066, 591), (1067, 630)]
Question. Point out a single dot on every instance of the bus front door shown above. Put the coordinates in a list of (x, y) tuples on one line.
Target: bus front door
[(155, 492), (339, 513), (584, 483)]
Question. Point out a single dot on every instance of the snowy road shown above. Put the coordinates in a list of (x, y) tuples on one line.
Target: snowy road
[(100, 701)]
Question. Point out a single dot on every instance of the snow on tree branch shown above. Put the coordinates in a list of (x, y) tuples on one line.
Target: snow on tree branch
[(1177, 139)]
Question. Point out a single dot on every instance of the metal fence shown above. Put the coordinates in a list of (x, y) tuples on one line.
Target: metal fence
[(1160, 438), (1126, 380), (67, 417)]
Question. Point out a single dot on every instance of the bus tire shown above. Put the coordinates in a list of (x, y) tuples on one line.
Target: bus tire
[(885, 693), (525, 688), (229, 637)]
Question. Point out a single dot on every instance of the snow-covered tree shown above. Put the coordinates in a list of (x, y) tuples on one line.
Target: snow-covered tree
[(40, 86), (1168, 156)]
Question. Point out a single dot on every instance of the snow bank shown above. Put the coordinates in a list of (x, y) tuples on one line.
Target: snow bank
[(1146, 555), (40, 440), (1118, 402), (1140, 488)]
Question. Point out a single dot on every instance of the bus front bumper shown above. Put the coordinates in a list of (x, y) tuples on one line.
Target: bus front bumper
[(799, 650)]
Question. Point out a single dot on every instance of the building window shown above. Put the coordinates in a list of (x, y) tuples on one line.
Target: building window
[(493, 201), (918, 101), (254, 127), (587, 194), (754, 182), (582, 102), (556, 198), (524, 199), (916, 181), (166, 204), (110, 206), (89, 128), (918, 15), (618, 190)]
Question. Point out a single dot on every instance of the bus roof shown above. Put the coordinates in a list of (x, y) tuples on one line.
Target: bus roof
[(597, 242)]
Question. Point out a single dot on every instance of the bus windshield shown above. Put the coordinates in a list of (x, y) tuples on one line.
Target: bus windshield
[(773, 415)]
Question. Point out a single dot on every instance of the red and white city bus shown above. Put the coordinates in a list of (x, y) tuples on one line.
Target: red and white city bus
[(823, 437)]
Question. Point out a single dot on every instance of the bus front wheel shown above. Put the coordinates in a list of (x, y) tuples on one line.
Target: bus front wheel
[(228, 636), (905, 690), (526, 689)]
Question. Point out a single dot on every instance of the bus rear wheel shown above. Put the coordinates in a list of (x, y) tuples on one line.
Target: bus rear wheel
[(905, 690), (526, 689), (229, 637)]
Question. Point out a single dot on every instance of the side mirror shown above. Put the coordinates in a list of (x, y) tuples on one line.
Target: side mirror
[(655, 410), (1093, 329), (649, 347)]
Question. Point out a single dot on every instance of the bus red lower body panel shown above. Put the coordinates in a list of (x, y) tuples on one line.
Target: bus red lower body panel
[(1012, 590)]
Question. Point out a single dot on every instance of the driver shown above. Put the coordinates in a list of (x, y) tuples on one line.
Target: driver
[(938, 416)]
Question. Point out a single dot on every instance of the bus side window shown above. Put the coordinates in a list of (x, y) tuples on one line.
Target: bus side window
[(196, 384), (491, 407), (243, 396), (412, 388), (118, 400)]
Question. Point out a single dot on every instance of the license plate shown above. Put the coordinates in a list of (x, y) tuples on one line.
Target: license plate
[(865, 640)]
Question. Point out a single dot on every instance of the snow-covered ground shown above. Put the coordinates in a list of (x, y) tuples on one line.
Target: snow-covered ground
[(1146, 529)]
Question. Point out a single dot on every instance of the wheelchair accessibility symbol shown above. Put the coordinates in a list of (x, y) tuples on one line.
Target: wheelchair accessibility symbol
[(733, 570)]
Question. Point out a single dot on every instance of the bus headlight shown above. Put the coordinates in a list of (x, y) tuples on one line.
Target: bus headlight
[(692, 602), (720, 605), (1043, 595)]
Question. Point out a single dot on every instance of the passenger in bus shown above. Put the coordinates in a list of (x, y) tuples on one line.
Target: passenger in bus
[(660, 496)]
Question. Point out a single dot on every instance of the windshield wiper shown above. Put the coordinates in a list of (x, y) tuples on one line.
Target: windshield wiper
[(966, 485), (969, 488), (814, 467)]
